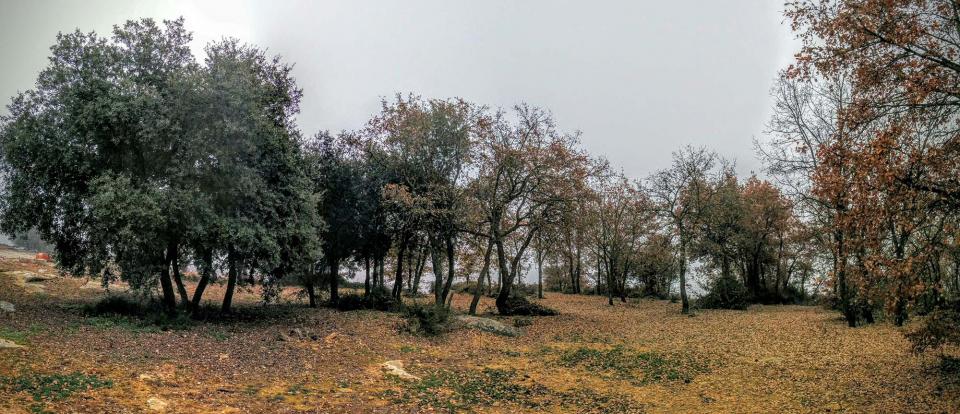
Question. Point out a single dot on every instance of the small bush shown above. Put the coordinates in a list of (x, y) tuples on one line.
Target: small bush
[(939, 328), (350, 302), (130, 314), (429, 320), (520, 306), (521, 322), (117, 305), (378, 299), (725, 293)]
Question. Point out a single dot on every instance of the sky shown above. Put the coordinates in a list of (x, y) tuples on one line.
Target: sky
[(639, 78)]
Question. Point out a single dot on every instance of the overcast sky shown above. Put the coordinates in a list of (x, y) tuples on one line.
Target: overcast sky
[(639, 78)]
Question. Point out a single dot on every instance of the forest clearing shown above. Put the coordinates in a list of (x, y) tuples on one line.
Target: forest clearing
[(754, 208), (765, 359)]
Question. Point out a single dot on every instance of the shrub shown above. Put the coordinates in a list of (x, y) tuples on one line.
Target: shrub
[(130, 314), (725, 293), (116, 305), (520, 306), (941, 327), (378, 299), (427, 320)]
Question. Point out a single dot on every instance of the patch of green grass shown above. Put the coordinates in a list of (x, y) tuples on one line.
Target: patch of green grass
[(119, 322), (408, 349), (454, 391), (19, 337), (639, 368), (219, 334), (46, 388)]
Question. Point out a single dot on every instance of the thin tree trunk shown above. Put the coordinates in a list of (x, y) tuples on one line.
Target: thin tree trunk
[(311, 294), (484, 272), (231, 280), (437, 271), (334, 280), (539, 275), (451, 253), (421, 264), (169, 300), (685, 308), (204, 278), (398, 283), (366, 278), (181, 289)]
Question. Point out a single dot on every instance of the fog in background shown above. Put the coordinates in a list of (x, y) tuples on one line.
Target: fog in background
[(639, 78)]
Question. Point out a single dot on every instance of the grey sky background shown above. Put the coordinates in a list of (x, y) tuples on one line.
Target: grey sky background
[(639, 78)]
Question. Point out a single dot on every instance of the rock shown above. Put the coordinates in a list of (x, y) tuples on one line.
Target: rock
[(156, 404), (330, 338), (834, 407), (6, 344), (7, 307), (395, 368), (284, 337), (487, 325)]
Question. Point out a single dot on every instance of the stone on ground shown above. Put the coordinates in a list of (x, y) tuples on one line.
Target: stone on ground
[(7, 344), (7, 307), (395, 368), (487, 325)]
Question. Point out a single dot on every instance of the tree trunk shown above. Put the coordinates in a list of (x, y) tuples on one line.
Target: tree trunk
[(166, 286), (484, 272), (398, 283), (366, 277), (435, 261), (539, 275), (311, 294), (231, 280), (421, 264), (334, 280), (450, 267), (181, 289), (204, 278), (685, 309)]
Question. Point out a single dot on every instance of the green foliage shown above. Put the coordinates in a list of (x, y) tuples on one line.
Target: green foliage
[(378, 299), (18, 337), (426, 320), (725, 293), (521, 306), (52, 387), (637, 367), (122, 312)]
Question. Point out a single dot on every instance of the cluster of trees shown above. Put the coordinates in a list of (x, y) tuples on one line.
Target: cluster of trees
[(136, 161), (866, 138)]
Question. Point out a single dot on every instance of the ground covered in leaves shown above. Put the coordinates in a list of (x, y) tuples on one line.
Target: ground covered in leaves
[(591, 358)]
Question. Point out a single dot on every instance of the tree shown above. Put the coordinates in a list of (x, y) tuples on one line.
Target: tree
[(527, 172), (679, 193), (93, 156)]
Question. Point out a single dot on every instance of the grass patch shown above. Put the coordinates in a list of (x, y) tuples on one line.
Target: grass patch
[(125, 313), (19, 337), (639, 368), (454, 391), (44, 388)]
